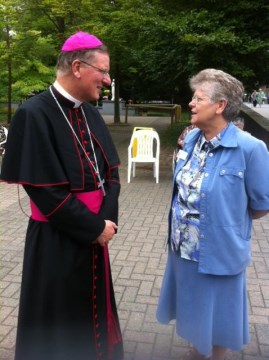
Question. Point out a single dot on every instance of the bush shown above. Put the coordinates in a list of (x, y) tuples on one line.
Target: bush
[(170, 135), (4, 113)]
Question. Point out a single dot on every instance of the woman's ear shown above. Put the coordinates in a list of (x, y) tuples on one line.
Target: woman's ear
[(221, 106)]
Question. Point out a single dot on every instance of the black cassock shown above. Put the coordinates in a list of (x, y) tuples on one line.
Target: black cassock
[(67, 304)]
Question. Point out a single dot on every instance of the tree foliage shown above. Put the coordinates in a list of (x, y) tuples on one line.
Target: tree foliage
[(155, 45)]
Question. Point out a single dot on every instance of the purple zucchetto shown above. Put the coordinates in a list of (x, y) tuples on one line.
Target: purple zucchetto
[(81, 41)]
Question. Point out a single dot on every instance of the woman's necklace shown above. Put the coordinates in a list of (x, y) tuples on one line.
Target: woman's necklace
[(95, 168)]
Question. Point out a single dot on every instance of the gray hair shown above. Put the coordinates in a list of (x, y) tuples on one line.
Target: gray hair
[(219, 85), (65, 59)]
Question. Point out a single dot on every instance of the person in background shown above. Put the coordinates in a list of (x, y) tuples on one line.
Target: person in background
[(180, 143), (3, 139), (220, 185), (239, 122), (254, 96), (60, 151), (113, 90), (260, 97), (180, 140)]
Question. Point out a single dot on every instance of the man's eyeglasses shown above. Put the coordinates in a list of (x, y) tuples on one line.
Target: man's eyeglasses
[(103, 72)]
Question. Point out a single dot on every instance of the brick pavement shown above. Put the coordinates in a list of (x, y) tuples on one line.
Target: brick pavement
[(138, 259)]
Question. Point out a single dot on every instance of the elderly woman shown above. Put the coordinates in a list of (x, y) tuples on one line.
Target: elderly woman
[(220, 185)]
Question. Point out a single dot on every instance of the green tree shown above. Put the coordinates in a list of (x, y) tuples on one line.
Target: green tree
[(194, 35), (155, 45)]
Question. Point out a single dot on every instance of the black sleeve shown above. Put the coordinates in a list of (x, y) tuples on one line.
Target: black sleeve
[(66, 213), (109, 209)]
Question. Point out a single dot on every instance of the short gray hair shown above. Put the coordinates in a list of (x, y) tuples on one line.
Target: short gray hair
[(65, 59), (220, 86)]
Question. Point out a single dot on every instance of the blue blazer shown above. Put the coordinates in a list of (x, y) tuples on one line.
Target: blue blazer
[(236, 182)]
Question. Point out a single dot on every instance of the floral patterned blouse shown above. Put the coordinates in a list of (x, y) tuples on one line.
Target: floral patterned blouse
[(186, 202)]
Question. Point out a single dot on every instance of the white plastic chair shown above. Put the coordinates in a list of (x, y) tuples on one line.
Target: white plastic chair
[(144, 148)]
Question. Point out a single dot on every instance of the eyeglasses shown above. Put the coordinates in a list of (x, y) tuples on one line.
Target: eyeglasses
[(103, 72), (197, 99)]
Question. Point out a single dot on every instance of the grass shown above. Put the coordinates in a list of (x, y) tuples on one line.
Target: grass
[(170, 135), (3, 115)]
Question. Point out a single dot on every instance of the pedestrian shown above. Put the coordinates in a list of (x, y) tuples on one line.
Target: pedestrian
[(61, 152), (254, 96), (239, 122), (180, 140), (3, 139), (260, 97), (220, 185), (180, 143)]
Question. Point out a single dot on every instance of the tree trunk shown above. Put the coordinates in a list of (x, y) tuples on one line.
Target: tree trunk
[(9, 92), (117, 102), (9, 84)]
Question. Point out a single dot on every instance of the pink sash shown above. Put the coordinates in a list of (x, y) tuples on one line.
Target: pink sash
[(92, 199)]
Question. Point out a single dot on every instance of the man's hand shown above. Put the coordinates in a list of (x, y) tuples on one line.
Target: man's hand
[(108, 233)]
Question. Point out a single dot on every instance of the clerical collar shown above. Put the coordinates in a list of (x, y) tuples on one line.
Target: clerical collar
[(63, 92)]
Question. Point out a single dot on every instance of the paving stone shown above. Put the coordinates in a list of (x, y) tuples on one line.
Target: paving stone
[(263, 334), (138, 256)]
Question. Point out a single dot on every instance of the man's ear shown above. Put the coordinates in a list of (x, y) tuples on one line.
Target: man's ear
[(76, 66)]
